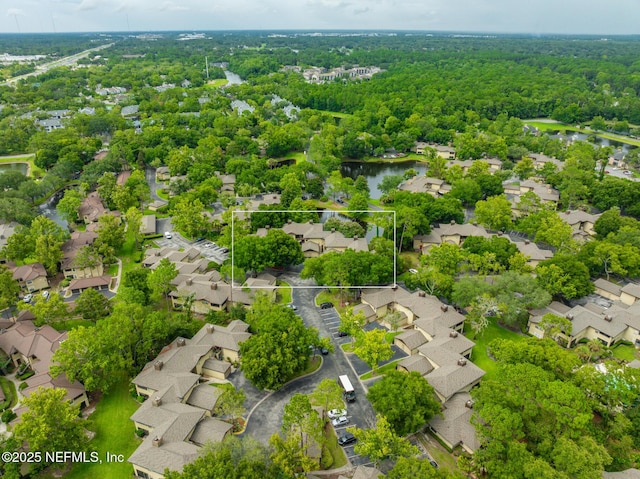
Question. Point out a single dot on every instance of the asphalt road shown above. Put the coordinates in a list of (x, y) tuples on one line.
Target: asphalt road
[(266, 417)]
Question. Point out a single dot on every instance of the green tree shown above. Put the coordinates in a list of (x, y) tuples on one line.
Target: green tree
[(92, 305), (289, 457), (299, 419), (230, 404), (390, 183), (291, 189), (494, 213), (564, 275), (9, 288), (111, 236), (467, 191), (49, 238), (20, 244), (327, 394), (188, 217), (134, 224), (50, 423), (525, 168), (598, 123), (279, 350), (553, 325), (397, 387), (69, 204), (381, 442), (555, 232), (351, 323), (47, 310), (417, 468), (160, 279), (359, 202), (372, 348)]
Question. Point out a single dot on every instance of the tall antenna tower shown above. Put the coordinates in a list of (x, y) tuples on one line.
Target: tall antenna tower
[(206, 66)]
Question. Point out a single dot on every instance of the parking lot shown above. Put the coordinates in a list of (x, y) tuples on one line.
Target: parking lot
[(208, 249)]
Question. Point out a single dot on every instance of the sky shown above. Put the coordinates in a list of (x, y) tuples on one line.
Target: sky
[(598, 17)]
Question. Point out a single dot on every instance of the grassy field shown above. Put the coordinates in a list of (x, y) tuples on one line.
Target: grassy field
[(296, 155), (9, 390), (114, 434), (283, 292), (381, 371), (479, 353), (626, 352), (217, 83), (339, 457)]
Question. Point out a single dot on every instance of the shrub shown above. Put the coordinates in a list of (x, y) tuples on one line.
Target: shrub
[(23, 385), (324, 198), (26, 375), (8, 416), (141, 432), (326, 461)]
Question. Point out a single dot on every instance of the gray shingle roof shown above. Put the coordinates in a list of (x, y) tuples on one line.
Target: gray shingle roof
[(210, 429), (454, 424)]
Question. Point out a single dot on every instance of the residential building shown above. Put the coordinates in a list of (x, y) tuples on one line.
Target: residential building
[(91, 208), (581, 223), (178, 414), (162, 173), (148, 225), (452, 233), (99, 283), (607, 325), (70, 249), (228, 182), (33, 347), (425, 184), (31, 277)]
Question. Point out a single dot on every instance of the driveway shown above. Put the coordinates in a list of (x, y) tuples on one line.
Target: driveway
[(154, 186), (177, 241), (265, 409)]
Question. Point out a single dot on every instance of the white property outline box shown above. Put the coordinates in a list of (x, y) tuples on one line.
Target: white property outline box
[(247, 212)]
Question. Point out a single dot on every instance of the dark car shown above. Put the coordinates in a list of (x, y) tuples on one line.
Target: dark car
[(433, 463), (225, 250), (342, 334), (326, 305), (324, 351), (346, 439)]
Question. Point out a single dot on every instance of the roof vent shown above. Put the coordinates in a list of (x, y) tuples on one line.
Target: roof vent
[(310, 222), (453, 334), (608, 317), (527, 241), (453, 222), (569, 316), (210, 328), (214, 286), (333, 230), (355, 238), (462, 362), (189, 281), (444, 307), (422, 294), (394, 287), (289, 222), (181, 342), (158, 365), (500, 233), (3, 330), (158, 253), (156, 401), (469, 404), (157, 441), (267, 227)]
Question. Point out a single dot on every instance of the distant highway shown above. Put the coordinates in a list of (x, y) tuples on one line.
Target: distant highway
[(66, 61)]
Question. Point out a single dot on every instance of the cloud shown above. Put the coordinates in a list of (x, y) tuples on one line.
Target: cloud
[(11, 12), (172, 7), (88, 5)]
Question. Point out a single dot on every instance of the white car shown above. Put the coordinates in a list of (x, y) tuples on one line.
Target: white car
[(340, 421), (167, 235), (336, 413), (45, 294), (413, 271), (27, 298)]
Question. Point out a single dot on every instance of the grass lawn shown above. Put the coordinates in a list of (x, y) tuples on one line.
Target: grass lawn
[(283, 292), (381, 371), (114, 434), (9, 390), (217, 83), (129, 254), (339, 457), (479, 353), (70, 324), (443, 457), (390, 335), (334, 297), (314, 365), (411, 258), (625, 351), (296, 155)]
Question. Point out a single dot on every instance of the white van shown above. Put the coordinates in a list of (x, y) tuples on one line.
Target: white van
[(167, 235)]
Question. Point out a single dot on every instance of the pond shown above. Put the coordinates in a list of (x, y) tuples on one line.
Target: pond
[(49, 209), (21, 167), (374, 172)]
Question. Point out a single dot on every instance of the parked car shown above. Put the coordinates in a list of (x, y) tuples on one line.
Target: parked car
[(225, 250), (336, 413), (45, 294), (433, 463), (292, 306), (27, 298), (167, 235), (413, 271), (326, 305), (342, 334), (346, 439), (340, 421), (324, 351)]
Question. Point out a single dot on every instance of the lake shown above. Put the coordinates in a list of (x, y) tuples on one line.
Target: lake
[(374, 172), (21, 167)]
